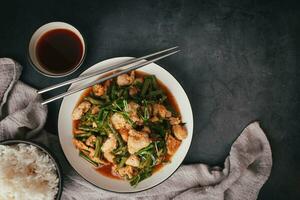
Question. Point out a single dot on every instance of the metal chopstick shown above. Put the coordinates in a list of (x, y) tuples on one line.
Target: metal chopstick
[(123, 64), (105, 78)]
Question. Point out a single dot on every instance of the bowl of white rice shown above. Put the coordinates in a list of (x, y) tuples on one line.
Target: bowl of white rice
[(28, 171)]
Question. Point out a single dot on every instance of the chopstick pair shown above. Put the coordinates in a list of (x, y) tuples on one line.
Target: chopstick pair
[(135, 62)]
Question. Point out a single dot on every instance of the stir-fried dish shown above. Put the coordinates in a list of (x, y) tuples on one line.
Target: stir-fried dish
[(129, 125)]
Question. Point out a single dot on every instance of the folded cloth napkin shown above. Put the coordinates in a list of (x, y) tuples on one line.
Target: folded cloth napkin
[(246, 169)]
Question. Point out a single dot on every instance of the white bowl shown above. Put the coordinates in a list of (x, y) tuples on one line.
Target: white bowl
[(36, 37), (86, 170)]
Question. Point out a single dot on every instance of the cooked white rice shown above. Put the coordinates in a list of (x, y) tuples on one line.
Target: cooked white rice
[(26, 173)]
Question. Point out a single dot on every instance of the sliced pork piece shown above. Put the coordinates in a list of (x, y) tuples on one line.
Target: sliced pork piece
[(179, 131), (109, 144), (172, 145), (82, 108), (133, 161), (137, 140)]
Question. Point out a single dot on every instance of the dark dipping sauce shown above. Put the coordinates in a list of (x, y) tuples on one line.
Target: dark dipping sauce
[(59, 50), (106, 170)]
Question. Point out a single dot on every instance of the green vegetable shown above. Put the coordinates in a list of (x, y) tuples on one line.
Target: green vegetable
[(117, 135), (163, 98), (81, 154), (166, 124), (83, 135), (84, 128), (154, 81), (93, 100), (102, 116), (147, 148), (138, 84), (156, 148), (98, 147), (171, 109), (113, 93), (88, 118), (157, 128), (149, 159), (126, 93), (155, 93), (122, 162), (128, 119), (120, 92), (146, 86), (144, 112), (156, 136), (122, 150), (118, 105), (143, 174)]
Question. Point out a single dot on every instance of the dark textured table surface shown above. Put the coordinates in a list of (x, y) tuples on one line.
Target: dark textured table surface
[(239, 63)]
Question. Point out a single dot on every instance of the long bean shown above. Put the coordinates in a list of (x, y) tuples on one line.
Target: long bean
[(83, 135), (93, 100), (81, 154), (120, 150), (148, 155), (143, 174), (98, 147), (117, 135), (154, 81), (122, 162), (113, 93), (158, 128), (102, 116), (155, 93), (146, 86), (88, 129), (147, 148)]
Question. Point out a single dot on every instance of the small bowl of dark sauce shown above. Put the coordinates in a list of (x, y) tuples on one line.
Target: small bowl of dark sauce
[(56, 49)]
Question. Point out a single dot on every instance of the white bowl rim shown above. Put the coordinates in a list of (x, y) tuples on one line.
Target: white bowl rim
[(191, 123), (38, 33), (46, 150)]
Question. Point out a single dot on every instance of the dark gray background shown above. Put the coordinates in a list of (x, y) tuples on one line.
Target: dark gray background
[(239, 63)]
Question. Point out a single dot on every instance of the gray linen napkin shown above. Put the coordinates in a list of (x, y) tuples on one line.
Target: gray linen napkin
[(246, 169)]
